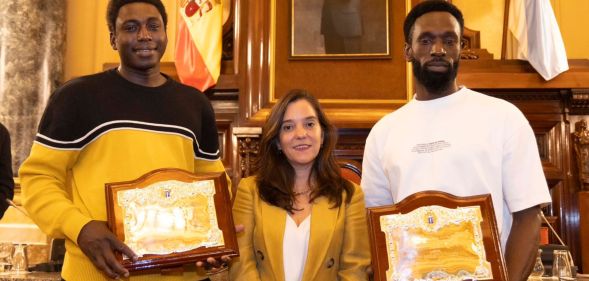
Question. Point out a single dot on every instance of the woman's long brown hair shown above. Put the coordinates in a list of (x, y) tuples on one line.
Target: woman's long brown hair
[(275, 175)]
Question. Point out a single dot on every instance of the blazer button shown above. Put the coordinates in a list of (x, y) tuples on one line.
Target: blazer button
[(330, 263), (260, 255)]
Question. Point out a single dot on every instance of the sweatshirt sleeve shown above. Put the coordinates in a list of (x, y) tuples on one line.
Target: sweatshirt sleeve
[(46, 174), (208, 158), (374, 183)]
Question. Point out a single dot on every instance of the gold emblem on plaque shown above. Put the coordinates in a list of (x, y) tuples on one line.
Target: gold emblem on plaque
[(170, 217), (436, 243)]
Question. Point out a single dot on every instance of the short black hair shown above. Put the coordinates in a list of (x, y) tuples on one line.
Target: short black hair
[(428, 7), (112, 11)]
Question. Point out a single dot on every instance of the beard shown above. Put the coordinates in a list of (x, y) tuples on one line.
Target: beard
[(435, 82)]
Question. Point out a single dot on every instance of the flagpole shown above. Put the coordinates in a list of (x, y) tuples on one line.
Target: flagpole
[(505, 22)]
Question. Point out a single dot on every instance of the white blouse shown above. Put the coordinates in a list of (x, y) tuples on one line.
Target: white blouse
[(295, 246)]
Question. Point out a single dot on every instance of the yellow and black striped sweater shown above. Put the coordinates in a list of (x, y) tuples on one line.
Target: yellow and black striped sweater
[(102, 128)]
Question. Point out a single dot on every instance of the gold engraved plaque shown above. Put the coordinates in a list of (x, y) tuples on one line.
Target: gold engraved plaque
[(435, 243), (434, 235), (171, 217)]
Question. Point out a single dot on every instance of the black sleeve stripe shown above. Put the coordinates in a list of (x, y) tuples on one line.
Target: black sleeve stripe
[(103, 128)]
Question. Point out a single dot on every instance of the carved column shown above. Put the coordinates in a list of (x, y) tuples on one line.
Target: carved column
[(581, 147), (248, 148), (32, 45)]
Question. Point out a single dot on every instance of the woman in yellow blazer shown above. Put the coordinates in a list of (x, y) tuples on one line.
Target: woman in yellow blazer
[(303, 221)]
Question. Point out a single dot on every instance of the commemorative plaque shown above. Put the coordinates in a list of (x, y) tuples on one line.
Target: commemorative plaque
[(436, 236), (171, 217)]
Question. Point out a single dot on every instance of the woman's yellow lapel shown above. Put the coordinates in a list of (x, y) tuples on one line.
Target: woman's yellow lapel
[(274, 222), (323, 222)]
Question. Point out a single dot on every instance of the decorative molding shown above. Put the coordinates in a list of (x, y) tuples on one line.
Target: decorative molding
[(579, 102), (528, 94), (520, 75)]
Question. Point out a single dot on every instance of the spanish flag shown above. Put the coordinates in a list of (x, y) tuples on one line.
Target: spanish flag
[(198, 42)]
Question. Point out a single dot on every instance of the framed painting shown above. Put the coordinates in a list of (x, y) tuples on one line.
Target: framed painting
[(339, 29)]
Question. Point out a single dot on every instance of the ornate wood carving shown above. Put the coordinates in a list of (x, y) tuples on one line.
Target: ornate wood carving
[(248, 147), (581, 148), (248, 151)]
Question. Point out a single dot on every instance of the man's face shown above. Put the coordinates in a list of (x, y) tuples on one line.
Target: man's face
[(139, 36), (434, 51)]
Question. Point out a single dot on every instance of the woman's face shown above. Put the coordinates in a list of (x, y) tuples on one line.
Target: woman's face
[(300, 135)]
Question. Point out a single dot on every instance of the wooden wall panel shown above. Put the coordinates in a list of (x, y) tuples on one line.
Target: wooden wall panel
[(366, 79), (584, 227), (355, 92)]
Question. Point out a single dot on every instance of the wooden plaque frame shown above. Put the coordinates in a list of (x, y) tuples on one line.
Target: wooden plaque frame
[(490, 233), (222, 208)]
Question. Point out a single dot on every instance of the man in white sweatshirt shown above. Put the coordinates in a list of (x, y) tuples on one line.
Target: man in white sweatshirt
[(453, 139)]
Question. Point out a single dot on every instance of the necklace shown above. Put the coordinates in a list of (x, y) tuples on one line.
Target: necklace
[(301, 192)]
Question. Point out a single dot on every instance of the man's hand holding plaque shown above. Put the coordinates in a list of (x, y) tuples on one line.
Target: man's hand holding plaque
[(99, 244)]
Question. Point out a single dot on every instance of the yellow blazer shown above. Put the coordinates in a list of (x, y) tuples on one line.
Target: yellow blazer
[(338, 243)]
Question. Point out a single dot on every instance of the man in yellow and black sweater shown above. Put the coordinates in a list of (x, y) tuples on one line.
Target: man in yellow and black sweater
[(110, 127)]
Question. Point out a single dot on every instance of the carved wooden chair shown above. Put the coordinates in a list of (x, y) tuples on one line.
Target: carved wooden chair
[(351, 170)]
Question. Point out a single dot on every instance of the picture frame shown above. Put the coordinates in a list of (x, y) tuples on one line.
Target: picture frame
[(336, 29), (171, 217), (412, 239)]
